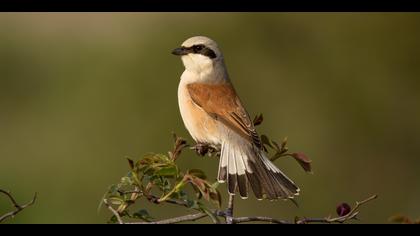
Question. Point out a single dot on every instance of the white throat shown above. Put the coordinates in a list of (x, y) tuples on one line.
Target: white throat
[(201, 69)]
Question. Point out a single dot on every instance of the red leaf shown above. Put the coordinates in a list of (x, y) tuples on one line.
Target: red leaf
[(130, 163), (303, 160), (258, 119)]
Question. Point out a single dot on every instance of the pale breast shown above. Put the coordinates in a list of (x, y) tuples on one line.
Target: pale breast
[(201, 126)]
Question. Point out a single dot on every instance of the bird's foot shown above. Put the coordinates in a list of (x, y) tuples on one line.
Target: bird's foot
[(203, 149), (229, 216)]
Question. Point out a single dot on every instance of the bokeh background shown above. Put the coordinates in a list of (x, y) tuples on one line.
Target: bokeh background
[(79, 92)]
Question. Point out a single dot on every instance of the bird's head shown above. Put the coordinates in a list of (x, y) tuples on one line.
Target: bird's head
[(199, 54)]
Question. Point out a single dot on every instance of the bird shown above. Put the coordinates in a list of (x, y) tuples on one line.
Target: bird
[(213, 114)]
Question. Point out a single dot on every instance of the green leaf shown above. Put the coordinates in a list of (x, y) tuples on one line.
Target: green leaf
[(276, 156), (282, 147), (170, 171), (143, 215), (157, 165), (153, 159), (192, 204), (197, 173), (162, 157), (116, 200), (277, 147), (113, 190), (147, 178), (113, 219), (215, 185), (125, 181), (134, 178), (283, 144), (182, 194), (148, 170), (160, 182), (266, 141)]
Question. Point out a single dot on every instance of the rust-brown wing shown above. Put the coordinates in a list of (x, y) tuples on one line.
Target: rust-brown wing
[(222, 103)]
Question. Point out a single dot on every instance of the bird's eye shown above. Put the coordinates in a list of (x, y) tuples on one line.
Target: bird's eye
[(198, 48)]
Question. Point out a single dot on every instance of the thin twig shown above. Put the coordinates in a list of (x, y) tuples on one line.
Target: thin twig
[(155, 199), (192, 217), (239, 220), (18, 207), (349, 216), (228, 215), (130, 191), (115, 212)]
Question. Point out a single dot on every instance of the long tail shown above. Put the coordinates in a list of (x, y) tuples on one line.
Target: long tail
[(242, 164)]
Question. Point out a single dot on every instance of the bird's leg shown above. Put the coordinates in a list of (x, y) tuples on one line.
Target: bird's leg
[(201, 148), (229, 210), (204, 148)]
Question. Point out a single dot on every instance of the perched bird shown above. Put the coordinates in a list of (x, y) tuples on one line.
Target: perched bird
[(213, 114)]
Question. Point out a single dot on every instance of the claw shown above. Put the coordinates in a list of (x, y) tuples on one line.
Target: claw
[(203, 149)]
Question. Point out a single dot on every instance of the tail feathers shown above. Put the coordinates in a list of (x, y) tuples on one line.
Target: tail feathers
[(243, 165), (232, 169)]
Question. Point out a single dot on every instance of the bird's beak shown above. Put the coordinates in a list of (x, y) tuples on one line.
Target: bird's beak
[(180, 51)]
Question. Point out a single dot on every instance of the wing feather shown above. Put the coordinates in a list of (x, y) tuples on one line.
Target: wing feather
[(221, 102)]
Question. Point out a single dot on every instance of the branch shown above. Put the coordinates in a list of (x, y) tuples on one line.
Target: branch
[(228, 215), (349, 216), (239, 220), (18, 207), (155, 200), (192, 217), (179, 219), (157, 167), (114, 212)]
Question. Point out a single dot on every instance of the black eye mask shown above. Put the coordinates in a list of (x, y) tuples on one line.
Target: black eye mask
[(203, 50), (196, 49)]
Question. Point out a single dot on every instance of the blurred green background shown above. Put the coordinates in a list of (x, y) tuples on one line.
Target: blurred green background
[(79, 92)]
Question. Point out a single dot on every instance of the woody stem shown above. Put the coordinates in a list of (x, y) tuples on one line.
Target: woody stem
[(229, 210)]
